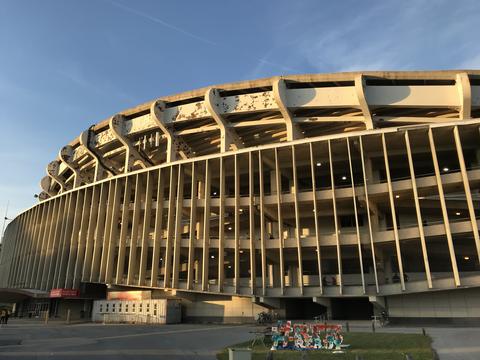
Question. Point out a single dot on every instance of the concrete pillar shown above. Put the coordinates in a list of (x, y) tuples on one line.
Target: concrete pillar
[(273, 181), (198, 272), (327, 302), (378, 303), (277, 274)]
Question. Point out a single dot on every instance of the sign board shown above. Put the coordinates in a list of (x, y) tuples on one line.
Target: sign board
[(129, 295), (64, 293)]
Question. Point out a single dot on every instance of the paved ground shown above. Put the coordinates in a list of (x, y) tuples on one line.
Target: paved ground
[(34, 340), (451, 343), (95, 341)]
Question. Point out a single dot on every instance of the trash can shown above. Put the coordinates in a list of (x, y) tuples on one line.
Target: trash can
[(239, 354)]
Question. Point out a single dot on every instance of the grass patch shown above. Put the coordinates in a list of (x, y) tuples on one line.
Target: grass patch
[(378, 346)]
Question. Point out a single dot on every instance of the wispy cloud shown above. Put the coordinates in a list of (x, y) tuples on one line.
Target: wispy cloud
[(391, 35), (161, 22), (259, 62), (73, 72)]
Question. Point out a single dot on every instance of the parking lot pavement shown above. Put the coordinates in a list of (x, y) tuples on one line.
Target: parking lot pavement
[(96, 341), (450, 342), (34, 340)]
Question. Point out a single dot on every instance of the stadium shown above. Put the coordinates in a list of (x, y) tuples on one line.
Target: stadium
[(340, 194)]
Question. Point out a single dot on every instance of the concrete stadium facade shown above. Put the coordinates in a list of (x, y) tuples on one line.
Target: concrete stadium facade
[(317, 187)]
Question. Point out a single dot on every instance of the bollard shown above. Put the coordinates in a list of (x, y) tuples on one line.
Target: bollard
[(46, 317), (373, 326), (347, 325), (424, 333), (68, 316)]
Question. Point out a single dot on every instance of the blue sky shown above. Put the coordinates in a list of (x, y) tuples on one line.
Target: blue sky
[(65, 64)]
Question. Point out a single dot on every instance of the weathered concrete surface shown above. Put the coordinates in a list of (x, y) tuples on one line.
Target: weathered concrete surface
[(94, 341), (182, 341)]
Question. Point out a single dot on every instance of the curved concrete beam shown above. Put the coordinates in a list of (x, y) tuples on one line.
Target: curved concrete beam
[(43, 196), (465, 93), (66, 156), (280, 95), (52, 171), (102, 165), (174, 143), (117, 126), (362, 100), (46, 184), (228, 136)]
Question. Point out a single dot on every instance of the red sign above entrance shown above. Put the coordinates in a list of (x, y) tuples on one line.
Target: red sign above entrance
[(64, 293)]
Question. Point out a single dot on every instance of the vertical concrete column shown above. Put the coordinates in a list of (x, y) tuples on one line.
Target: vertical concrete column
[(57, 241), (99, 232), (237, 224), (158, 232), (251, 210), (31, 248), (206, 226), (177, 242), (111, 249), (23, 240), (74, 239), (418, 211), (112, 205), (335, 219), (221, 226), (197, 272), (278, 186), (393, 212), (355, 212), (270, 276), (137, 208), (67, 236), (146, 230), (43, 245), (315, 218), (170, 226), (192, 229), (369, 218), (17, 245), (262, 224), (124, 229), (82, 237), (443, 204), (49, 244), (61, 240), (90, 240), (468, 192), (20, 239), (297, 219)]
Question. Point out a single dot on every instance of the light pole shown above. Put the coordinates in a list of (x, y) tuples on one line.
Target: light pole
[(5, 218)]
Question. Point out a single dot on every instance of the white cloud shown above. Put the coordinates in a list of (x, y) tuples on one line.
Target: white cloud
[(390, 36)]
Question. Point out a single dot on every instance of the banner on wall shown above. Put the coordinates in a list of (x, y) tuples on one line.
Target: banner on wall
[(64, 293), (129, 295)]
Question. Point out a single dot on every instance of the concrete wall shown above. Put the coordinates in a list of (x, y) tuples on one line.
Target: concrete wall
[(455, 304), (79, 309), (222, 309)]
